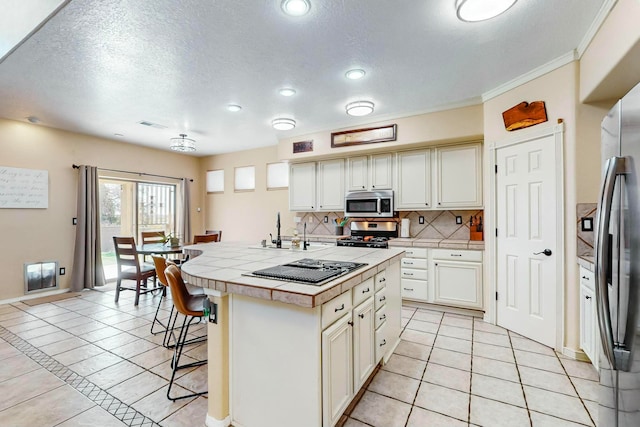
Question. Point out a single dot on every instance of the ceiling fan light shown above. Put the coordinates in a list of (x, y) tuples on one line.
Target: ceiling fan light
[(295, 7), (359, 108), (183, 143), (481, 10), (283, 123)]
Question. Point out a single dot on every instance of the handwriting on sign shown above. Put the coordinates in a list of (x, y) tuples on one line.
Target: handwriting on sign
[(24, 188)]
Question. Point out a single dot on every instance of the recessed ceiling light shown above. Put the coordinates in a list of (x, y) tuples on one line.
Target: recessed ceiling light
[(283, 123), (33, 119), (481, 10), (355, 74), (119, 135), (234, 108), (287, 91), (359, 108), (295, 7)]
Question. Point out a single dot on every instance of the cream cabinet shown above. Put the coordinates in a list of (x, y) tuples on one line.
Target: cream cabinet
[(458, 176), (413, 190), (413, 274), (337, 369), (302, 187), (457, 278), (364, 356), (588, 316), (370, 172), (330, 185)]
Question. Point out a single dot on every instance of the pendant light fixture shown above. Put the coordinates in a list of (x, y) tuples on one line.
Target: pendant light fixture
[(481, 10), (183, 143), (359, 108), (282, 123)]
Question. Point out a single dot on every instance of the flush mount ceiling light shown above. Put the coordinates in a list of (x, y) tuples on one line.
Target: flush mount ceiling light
[(295, 7), (287, 91), (183, 143), (234, 108), (283, 124), (355, 74), (359, 108), (481, 10)]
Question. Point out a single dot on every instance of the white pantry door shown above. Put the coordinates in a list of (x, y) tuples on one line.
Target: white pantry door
[(526, 217)]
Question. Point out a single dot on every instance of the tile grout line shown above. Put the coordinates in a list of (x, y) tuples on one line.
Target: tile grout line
[(524, 395), (576, 390), (114, 406), (473, 332)]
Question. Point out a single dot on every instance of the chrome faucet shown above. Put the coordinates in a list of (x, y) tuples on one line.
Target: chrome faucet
[(278, 241)]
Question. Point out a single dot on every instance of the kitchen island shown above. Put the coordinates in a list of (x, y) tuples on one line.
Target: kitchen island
[(290, 354)]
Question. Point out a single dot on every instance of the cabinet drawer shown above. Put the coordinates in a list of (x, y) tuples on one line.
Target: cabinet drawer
[(456, 255), (415, 253), (381, 316), (381, 298), (414, 263), (381, 280), (363, 291), (587, 278), (381, 341), (414, 289), (336, 308), (409, 273)]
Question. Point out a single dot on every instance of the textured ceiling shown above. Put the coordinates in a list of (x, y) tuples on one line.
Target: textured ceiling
[(100, 67)]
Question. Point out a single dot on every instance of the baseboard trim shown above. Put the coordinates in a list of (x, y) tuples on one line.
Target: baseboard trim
[(34, 296), (213, 422), (575, 354)]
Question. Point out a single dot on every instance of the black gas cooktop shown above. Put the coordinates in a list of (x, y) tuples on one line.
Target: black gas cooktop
[(309, 271), (364, 242)]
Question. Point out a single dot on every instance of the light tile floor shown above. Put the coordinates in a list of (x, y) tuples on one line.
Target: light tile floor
[(88, 361)]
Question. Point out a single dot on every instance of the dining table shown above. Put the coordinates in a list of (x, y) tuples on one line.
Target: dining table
[(158, 248)]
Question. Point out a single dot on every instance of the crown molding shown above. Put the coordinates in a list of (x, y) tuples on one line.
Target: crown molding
[(604, 11)]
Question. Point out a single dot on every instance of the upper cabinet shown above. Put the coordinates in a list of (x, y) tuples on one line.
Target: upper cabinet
[(414, 180), (302, 187), (331, 185), (369, 173), (458, 176)]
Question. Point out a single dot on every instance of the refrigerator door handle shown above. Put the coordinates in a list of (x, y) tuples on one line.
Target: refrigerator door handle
[(614, 166)]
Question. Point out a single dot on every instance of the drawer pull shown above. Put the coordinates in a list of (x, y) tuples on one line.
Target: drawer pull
[(366, 290), (408, 289), (384, 342), (383, 280), (587, 297), (456, 254), (340, 308), (350, 323), (382, 299), (361, 315), (408, 274), (585, 277), (384, 316), (408, 263)]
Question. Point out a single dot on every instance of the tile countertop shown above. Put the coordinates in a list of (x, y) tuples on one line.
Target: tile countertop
[(221, 266), (438, 243), (586, 261)]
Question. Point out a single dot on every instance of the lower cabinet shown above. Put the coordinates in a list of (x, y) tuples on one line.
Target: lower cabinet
[(588, 316), (458, 283), (337, 369), (364, 356)]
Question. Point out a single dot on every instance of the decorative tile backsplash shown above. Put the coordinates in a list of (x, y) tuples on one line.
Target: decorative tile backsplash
[(437, 224), (585, 238)]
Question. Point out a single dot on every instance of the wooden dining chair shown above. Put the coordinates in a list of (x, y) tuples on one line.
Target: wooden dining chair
[(129, 267), (218, 232), (204, 238), (149, 237)]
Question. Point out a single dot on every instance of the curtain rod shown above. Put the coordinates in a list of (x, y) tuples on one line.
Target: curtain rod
[(135, 173)]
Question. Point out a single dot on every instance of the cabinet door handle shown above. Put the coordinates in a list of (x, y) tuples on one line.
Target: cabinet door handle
[(340, 308), (384, 342), (585, 277), (408, 289), (587, 297), (382, 299), (366, 290), (384, 316), (350, 323), (361, 315)]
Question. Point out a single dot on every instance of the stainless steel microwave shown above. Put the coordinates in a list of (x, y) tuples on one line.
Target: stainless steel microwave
[(369, 204)]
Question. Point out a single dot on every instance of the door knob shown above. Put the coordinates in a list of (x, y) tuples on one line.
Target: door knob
[(547, 252)]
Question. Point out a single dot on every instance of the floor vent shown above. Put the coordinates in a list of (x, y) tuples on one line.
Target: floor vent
[(40, 276)]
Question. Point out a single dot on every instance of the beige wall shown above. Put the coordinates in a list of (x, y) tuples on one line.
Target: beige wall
[(31, 235), (442, 127), (249, 215), (559, 91)]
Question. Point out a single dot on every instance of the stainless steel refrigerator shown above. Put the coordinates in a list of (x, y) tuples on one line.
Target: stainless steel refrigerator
[(617, 266)]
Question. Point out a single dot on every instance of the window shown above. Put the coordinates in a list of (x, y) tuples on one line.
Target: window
[(245, 178), (277, 176), (215, 181)]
